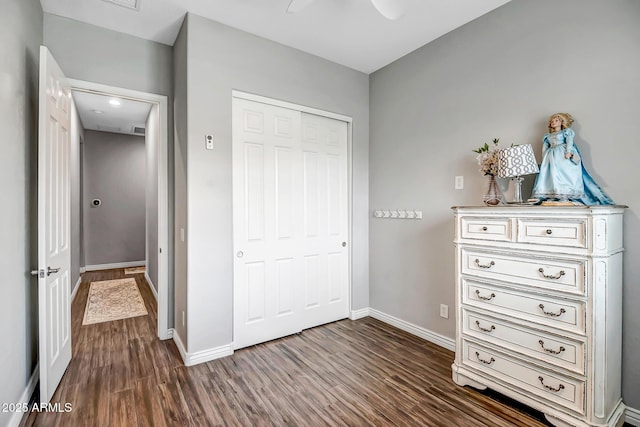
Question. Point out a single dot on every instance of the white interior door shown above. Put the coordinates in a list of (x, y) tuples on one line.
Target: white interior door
[(266, 152), (290, 221), (54, 293), (325, 220)]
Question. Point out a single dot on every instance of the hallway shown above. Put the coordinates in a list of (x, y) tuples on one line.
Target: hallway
[(116, 366)]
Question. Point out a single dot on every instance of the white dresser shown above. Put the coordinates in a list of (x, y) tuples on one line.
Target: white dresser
[(538, 308)]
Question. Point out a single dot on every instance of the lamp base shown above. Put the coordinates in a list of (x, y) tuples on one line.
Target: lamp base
[(517, 195)]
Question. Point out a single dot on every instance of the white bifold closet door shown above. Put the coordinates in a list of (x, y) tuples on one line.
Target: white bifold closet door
[(290, 221)]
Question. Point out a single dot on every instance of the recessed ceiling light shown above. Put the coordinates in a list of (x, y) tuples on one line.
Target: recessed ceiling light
[(98, 111), (114, 102)]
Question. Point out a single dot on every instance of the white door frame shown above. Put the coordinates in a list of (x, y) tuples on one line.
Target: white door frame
[(163, 191), (305, 109)]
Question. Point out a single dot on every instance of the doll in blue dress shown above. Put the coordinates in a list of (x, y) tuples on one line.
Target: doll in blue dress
[(562, 175)]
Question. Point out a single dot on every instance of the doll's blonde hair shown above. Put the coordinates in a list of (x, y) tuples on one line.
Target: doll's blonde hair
[(566, 120)]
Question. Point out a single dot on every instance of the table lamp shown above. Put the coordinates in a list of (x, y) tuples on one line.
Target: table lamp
[(515, 162)]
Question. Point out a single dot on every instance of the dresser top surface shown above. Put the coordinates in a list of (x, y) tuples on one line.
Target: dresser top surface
[(540, 209)]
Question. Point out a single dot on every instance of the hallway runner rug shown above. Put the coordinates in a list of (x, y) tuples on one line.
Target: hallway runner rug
[(135, 270), (113, 300)]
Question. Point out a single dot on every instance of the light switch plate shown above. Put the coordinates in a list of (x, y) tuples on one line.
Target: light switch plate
[(208, 139)]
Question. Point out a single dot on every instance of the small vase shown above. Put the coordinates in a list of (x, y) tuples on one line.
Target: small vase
[(493, 196)]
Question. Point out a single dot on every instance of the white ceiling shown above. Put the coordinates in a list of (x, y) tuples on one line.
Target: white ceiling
[(348, 32), (96, 113)]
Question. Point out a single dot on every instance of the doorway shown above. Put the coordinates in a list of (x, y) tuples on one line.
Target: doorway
[(156, 215)]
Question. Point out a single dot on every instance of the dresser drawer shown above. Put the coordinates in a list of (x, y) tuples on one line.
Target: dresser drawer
[(558, 313), (571, 233), (566, 275), (553, 387), (555, 350), (499, 229)]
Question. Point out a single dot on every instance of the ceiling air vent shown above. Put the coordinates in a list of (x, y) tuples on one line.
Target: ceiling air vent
[(138, 130), (129, 4)]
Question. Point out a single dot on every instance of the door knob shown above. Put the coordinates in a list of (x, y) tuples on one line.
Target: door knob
[(51, 271), (344, 244), (240, 254)]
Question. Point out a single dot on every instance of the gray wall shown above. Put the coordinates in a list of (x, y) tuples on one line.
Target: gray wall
[(21, 35), (500, 76), (75, 183), (114, 172), (220, 59), (151, 195), (180, 109), (94, 54)]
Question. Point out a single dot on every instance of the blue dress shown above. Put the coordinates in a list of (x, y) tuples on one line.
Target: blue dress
[(565, 179)]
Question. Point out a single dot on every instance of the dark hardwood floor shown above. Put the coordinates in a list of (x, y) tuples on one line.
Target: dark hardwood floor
[(347, 373)]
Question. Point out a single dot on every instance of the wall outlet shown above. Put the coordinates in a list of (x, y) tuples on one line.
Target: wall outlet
[(444, 311), (459, 182)]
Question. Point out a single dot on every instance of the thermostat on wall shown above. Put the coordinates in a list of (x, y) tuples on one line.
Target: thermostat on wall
[(96, 202)]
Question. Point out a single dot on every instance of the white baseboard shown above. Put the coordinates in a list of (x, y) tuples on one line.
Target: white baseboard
[(75, 288), (359, 314), (203, 356), (83, 270), (16, 418), (96, 267), (632, 416), (442, 341), (181, 349), (209, 354), (150, 283)]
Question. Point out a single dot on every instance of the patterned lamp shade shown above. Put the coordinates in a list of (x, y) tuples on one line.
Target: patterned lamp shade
[(516, 161)]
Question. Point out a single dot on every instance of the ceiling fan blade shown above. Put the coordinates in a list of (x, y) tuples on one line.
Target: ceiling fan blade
[(390, 9), (297, 5)]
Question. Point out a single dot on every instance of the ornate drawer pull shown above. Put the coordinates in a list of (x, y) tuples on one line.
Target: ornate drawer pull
[(555, 390), (485, 329), (549, 313), (489, 298), (491, 264), (548, 350), (549, 231), (484, 228), (549, 276), (486, 362)]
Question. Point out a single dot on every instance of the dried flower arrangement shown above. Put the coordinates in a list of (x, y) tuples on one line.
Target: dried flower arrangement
[(488, 158)]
